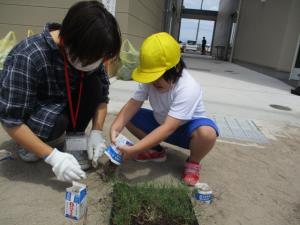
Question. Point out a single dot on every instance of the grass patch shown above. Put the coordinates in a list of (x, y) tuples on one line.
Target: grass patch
[(149, 204)]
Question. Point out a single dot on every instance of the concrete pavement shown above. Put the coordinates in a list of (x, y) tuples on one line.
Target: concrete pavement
[(229, 90)]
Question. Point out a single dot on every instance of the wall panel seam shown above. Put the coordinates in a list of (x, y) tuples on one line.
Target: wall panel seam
[(15, 24), (35, 6), (122, 12), (149, 9), (154, 28), (158, 6), (134, 35)]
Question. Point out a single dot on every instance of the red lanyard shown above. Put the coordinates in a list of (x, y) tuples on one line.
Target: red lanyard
[(74, 116)]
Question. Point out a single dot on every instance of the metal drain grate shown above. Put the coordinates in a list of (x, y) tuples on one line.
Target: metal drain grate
[(230, 71), (245, 130), (281, 107), (199, 69)]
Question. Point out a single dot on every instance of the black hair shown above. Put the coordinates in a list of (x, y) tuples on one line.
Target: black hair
[(90, 32), (172, 75)]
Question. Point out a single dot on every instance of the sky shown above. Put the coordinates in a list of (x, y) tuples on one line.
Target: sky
[(207, 4), (188, 28)]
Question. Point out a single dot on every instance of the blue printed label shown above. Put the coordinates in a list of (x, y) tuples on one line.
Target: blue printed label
[(203, 197), (114, 155), (112, 151)]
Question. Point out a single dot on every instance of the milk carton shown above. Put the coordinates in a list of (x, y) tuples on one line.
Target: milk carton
[(203, 193), (76, 201), (113, 153)]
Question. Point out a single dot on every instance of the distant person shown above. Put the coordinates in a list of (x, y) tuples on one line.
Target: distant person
[(177, 117), (203, 46)]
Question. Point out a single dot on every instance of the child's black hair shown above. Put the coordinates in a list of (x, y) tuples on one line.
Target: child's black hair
[(90, 32), (172, 75)]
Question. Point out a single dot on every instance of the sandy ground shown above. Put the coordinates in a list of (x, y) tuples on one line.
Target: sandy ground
[(252, 184)]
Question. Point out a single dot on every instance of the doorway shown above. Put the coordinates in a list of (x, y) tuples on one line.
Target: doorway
[(192, 32)]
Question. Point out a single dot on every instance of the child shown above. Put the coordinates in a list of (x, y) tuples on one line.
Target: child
[(178, 115)]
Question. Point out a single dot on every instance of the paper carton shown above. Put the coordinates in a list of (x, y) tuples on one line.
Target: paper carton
[(76, 201), (113, 153)]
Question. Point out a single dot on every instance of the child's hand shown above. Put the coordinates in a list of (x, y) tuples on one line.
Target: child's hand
[(128, 152), (113, 136)]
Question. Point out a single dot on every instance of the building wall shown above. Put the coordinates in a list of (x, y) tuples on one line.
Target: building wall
[(267, 33), (140, 18), (137, 18), (21, 15)]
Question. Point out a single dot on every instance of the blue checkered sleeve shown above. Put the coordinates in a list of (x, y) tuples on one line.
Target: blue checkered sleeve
[(18, 93)]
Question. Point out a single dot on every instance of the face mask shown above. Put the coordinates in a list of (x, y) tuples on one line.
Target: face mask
[(78, 65)]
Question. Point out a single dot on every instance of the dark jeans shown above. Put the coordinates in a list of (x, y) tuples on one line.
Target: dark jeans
[(94, 93)]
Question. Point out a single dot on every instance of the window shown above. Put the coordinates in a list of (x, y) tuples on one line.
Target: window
[(188, 30), (192, 4), (212, 5), (206, 29)]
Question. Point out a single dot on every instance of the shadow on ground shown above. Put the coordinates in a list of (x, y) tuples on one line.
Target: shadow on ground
[(169, 171)]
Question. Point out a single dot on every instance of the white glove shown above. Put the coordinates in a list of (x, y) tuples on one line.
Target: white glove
[(65, 166), (96, 146)]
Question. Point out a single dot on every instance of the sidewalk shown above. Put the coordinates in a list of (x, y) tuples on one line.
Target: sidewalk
[(253, 183), (229, 90)]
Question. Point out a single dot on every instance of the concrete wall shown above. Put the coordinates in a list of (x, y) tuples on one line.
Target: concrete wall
[(223, 24), (137, 18), (140, 18), (21, 15), (267, 33)]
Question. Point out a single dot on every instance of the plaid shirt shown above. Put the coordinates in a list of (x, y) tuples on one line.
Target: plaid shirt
[(32, 84)]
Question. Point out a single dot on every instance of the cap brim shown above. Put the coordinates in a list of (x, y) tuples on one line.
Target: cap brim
[(146, 77)]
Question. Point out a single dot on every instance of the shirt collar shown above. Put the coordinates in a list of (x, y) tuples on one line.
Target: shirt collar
[(46, 32)]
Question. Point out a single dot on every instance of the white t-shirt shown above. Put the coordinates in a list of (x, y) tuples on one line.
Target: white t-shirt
[(182, 101)]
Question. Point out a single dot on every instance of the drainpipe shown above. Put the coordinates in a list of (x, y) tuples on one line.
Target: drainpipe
[(237, 28), (167, 16), (179, 17)]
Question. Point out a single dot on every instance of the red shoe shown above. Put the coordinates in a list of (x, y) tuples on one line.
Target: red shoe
[(152, 156), (191, 173)]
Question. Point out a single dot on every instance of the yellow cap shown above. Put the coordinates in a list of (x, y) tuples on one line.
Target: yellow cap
[(159, 52)]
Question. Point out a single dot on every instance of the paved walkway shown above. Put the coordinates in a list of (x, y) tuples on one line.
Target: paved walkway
[(229, 90)]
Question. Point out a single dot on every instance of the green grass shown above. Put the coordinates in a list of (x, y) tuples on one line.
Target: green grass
[(150, 204)]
